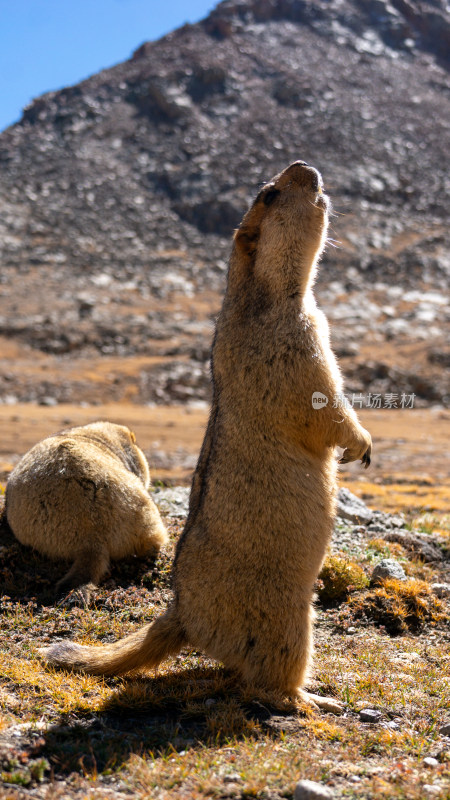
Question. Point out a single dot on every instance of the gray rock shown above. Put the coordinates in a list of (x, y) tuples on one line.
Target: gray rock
[(351, 507), (48, 401), (396, 521), (172, 502), (232, 777), (391, 725), (376, 527), (429, 761), (370, 715), (445, 729), (441, 589), (387, 568), (310, 790), (420, 545)]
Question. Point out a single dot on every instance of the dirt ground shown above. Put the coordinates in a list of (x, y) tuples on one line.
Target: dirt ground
[(410, 445)]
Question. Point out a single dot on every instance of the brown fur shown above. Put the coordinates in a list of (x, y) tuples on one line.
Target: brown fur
[(82, 494), (263, 494)]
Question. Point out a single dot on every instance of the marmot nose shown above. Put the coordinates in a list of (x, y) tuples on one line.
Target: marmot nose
[(305, 175)]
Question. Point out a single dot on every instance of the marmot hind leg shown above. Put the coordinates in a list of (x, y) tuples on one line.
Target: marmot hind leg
[(89, 567), (318, 701), (277, 661)]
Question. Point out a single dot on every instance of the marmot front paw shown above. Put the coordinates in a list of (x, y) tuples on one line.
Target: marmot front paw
[(362, 450)]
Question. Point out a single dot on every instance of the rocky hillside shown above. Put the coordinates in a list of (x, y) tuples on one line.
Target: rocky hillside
[(118, 196)]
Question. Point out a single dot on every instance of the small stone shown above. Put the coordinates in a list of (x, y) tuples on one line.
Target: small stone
[(351, 630), (429, 761), (310, 790), (445, 729), (423, 546), (370, 715), (210, 702), (351, 507), (396, 522), (376, 527), (48, 401), (172, 502), (441, 589), (387, 568), (232, 777)]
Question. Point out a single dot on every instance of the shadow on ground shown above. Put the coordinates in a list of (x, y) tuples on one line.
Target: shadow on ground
[(168, 713), (26, 576)]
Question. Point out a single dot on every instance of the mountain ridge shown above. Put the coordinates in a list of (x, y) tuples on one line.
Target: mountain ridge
[(119, 195)]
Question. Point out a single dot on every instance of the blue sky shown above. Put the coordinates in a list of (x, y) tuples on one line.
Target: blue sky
[(49, 44)]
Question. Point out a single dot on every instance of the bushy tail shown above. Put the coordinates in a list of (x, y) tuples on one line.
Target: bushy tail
[(145, 648)]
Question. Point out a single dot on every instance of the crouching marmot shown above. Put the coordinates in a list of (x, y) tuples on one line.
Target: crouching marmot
[(263, 494), (82, 495)]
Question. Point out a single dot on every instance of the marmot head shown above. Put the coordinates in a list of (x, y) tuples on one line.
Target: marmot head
[(282, 235), (129, 452), (119, 441)]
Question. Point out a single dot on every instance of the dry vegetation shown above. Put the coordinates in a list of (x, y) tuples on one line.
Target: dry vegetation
[(190, 730)]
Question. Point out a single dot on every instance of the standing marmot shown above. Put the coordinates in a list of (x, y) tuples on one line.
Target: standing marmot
[(82, 494), (263, 494)]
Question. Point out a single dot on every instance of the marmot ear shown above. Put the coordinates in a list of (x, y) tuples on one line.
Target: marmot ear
[(246, 239)]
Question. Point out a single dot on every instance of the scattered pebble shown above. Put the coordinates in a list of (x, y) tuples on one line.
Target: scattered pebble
[(352, 508), (172, 502), (429, 761), (387, 568), (441, 589), (48, 401), (376, 527), (418, 544), (396, 521), (310, 790), (370, 715), (232, 777)]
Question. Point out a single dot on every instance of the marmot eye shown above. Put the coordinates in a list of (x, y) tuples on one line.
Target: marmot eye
[(270, 196)]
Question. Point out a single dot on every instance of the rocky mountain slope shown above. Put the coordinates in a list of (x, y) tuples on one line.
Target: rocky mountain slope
[(118, 196)]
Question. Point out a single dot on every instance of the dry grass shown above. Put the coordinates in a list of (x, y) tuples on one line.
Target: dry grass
[(338, 578), (190, 730), (400, 606), (416, 496)]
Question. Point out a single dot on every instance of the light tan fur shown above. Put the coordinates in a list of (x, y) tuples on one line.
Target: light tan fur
[(82, 495), (263, 494)]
